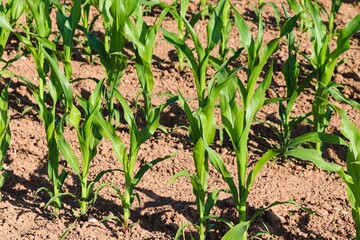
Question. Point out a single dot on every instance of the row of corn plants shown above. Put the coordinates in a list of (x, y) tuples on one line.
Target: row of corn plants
[(239, 101)]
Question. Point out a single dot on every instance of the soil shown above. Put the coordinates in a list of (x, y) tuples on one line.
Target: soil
[(164, 207)]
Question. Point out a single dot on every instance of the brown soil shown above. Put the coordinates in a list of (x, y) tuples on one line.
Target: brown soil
[(164, 207)]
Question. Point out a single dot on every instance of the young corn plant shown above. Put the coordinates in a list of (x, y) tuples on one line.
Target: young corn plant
[(238, 118), (202, 132), (200, 64), (294, 149), (67, 26), (5, 134), (291, 71), (38, 21), (54, 88), (143, 38), (89, 137), (128, 157), (324, 61), (114, 14)]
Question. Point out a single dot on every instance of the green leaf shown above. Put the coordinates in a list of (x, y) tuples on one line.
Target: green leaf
[(65, 149), (335, 93), (238, 232), (194, 123), (181, 45), (352, 133), (259, 166), (211, 200), (146, 167), (97, 179), (4, 23), (258, 97), (314, 156), (289, 25), (319, 28), (99, 47), (295, 6), (220, 166), (245, 34), (183, 173), (57, 196), (108, 131), (5, 133), (292, 202), (269, 50), (345, 34), (64, 82), (316, 137)]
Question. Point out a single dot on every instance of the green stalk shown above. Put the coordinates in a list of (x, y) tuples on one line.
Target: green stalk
[(127, 205), (84, 197), (53, 165), (202, 222), (5, 133), (85, 23), (242, 160)]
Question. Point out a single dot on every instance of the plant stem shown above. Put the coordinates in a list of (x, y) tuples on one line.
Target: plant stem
[(85, 22), (57, 200), (202, 226), (127, 209), (83, 199), (200, 200), (53, 164)]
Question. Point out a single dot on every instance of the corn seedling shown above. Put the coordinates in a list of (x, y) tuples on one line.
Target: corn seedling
[(291, 71), (323, 60), (293, 149), (39, 21), (5, 134), (237, 119), (143, 38), (202, 132), (89, 137), (199, 64), (114, 14), (67, 26), (59, 90), (128, 157)]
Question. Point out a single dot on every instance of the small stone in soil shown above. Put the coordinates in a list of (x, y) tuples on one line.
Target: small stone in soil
[(92, 219)]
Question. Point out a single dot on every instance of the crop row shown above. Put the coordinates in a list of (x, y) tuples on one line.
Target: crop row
[(98, 116)]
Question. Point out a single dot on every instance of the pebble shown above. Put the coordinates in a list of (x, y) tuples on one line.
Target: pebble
[(92, 219)]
